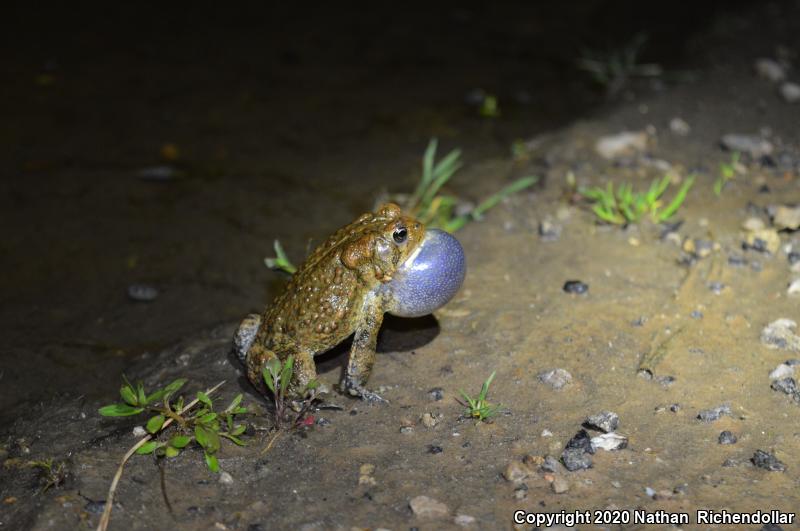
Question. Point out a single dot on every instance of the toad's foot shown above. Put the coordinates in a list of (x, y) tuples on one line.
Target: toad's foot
[(365, 394)]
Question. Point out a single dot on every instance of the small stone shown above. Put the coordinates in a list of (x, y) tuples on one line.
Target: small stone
[(650, 492), (753, 145), (793, 257), (521, 492), (577, 453), (663, 495), (225, 478), (436, 394), (428, 420), (762, 241), (696, 314), (139, 432), (435, 449), (770, 69), (674, 407), (555, 378), (464, 520), (405, 430), (605, 421), (716, 287), (785, 217), (551, 464), (778, 334), (665, 380), (727, 437), (610, 442), (549, 230), (753, 224), (142, 292), (575, 286), (679, 126), (794, 287), (784, 370), (785, 385), (767, 461), (770, 527), (710, 415), (425, 507), (737, 260), (516, 472), (546, 433), (731, 462), (790, 92), (367, 469), (621, 144), (559, 485)]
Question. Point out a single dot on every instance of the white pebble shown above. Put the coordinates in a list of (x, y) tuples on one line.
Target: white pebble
[(770, 69), (225, 478), (781, 371), (790, 92)]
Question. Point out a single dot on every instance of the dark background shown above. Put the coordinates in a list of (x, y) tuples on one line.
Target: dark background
[(288, 120)]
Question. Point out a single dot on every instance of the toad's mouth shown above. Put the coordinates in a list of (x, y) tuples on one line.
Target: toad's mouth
[(429, 278)]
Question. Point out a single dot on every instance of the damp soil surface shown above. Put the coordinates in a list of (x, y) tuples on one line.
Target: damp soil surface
[(299, 142)]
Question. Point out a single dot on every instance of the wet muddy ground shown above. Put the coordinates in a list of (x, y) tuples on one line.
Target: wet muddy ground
[(692, 294)]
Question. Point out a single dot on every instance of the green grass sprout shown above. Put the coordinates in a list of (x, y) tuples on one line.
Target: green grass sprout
[(439, 210), (624, 205), (52, 473), (478, 407), (614, 70), (280, 262), (727, 171)]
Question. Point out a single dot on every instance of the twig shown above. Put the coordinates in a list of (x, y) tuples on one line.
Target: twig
[(104, 520), (271, 441)]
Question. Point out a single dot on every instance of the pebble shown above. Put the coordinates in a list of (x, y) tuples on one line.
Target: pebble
[(139, 431), (793, 257), (621, 144), (559, 485), (784, 370), (785, 385), (436, 394), (605, 421), (610, 442), (679, 126), (753, 223), (767, 461), (710, 415), (785, 217), (521, 492), (464, 520), (770, 69), (762, 241), (727, 437), (551, 464), (158, 173), (435, 449), (790, 92), (753, 145), (428, 420), (225, 478), (555, 378), (142, 292), (696, 314), (794, 287), (516, 471), (716, 287), (778, 334), (549, 230), (426, 507), (737, 260), (577, 453), (575, 286)]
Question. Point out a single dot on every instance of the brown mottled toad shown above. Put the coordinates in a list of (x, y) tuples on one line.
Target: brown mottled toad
[(382, 262)]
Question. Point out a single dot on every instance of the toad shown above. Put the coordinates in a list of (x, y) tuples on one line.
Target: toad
[(382, 262)]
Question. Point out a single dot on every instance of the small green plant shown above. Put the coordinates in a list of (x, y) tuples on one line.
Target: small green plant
[(625, 206), (277, 377), (614, 70), (479, 408), (53, 474), (204, 425), (280, 262), (489, 108), (727, 171), (439, 211)]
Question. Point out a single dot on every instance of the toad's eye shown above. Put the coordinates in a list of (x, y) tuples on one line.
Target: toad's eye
[(400, 235)]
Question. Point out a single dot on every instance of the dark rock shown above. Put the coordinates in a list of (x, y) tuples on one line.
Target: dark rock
[(434, 449), (605, 421), (737, 260), (322, 421), (727, 437), (793, 257), (767, 461), (716, 287), (785, 385), (731, 462), (577, 453), (674, 407), (710, 415), (436, 394), (792, 362), (666, 381), (576, 286)]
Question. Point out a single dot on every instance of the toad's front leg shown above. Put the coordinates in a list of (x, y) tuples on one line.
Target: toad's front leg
[(362, 353)]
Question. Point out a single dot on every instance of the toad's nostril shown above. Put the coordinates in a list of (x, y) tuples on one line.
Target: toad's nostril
[(430, 278)]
